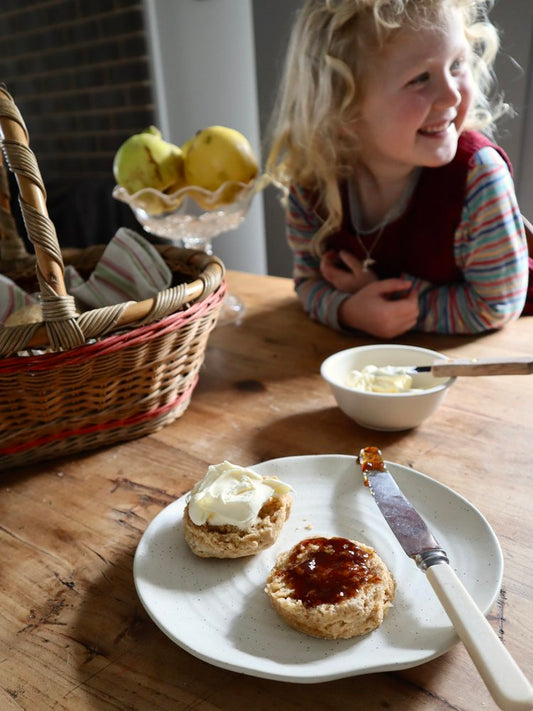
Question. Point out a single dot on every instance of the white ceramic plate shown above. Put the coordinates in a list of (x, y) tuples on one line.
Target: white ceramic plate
[(218, 611)]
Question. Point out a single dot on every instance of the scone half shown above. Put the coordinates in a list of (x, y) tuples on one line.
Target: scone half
[(229, 541), (332, 588)]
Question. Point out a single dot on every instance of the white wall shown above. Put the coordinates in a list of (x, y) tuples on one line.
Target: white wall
[(203, 65), (525, 194), (272, 23), (514, 70)]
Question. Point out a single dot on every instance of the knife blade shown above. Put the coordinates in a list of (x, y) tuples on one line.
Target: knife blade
[(505, 681), (473, 366)]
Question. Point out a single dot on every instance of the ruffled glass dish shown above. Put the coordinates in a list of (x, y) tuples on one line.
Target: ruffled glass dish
[(192, 217)]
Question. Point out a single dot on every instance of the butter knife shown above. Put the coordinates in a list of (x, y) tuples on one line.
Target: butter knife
[(504, 679), (473, 366)]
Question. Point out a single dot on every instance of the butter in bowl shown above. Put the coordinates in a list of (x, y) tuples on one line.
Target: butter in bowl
[(377, 387)]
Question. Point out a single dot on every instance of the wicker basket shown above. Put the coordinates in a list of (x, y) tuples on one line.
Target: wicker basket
[(78, 382)]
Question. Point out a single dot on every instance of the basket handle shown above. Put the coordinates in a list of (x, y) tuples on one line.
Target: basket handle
[(32, 196)]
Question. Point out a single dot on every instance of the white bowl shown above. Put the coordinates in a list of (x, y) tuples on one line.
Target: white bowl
[(386, 411)]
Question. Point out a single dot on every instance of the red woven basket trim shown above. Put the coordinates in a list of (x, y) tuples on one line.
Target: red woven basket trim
[(110, 344), (113, 424)]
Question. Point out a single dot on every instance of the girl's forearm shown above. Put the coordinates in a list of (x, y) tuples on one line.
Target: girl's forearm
[(321, 301)]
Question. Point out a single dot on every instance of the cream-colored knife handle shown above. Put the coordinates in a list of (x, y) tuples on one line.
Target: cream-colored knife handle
[(483, 366), (504, 679)]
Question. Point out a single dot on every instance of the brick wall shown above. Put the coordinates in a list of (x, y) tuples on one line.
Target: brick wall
[(78, 70)]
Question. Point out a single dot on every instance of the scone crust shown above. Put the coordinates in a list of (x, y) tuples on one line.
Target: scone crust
[(209, 541), (352, 617)]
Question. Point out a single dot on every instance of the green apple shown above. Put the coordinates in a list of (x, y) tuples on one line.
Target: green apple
[(145, 160)]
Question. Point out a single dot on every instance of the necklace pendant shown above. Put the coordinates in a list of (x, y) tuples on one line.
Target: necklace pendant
[(368, 262)]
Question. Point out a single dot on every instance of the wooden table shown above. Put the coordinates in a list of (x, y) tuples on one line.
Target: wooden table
[(73, 634)]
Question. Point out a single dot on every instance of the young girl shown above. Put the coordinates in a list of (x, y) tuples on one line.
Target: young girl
[(401, 214)]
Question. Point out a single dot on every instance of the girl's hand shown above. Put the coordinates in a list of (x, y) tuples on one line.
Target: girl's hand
[(377, 310), (344, 271)]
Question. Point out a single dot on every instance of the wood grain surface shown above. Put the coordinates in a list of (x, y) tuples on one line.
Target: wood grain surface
[(73, 633)]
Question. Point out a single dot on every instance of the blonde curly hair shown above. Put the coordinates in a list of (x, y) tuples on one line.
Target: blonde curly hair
[(311, 141)]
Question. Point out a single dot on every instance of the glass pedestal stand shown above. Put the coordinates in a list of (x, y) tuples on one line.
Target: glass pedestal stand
[(192, 217)]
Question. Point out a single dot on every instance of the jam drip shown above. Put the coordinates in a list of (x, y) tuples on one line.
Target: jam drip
[(327, 570), (371, 460)]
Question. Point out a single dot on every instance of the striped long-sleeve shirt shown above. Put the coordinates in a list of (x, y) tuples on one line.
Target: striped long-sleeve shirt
[(489, 249)]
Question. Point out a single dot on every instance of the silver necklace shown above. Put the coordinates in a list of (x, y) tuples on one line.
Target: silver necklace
[(368, 261), (391, 214)]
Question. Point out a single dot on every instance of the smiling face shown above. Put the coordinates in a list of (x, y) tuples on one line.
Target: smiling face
[(418, 93)]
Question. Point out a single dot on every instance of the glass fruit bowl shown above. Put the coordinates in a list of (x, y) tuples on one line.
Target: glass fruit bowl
[(193, 216)]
